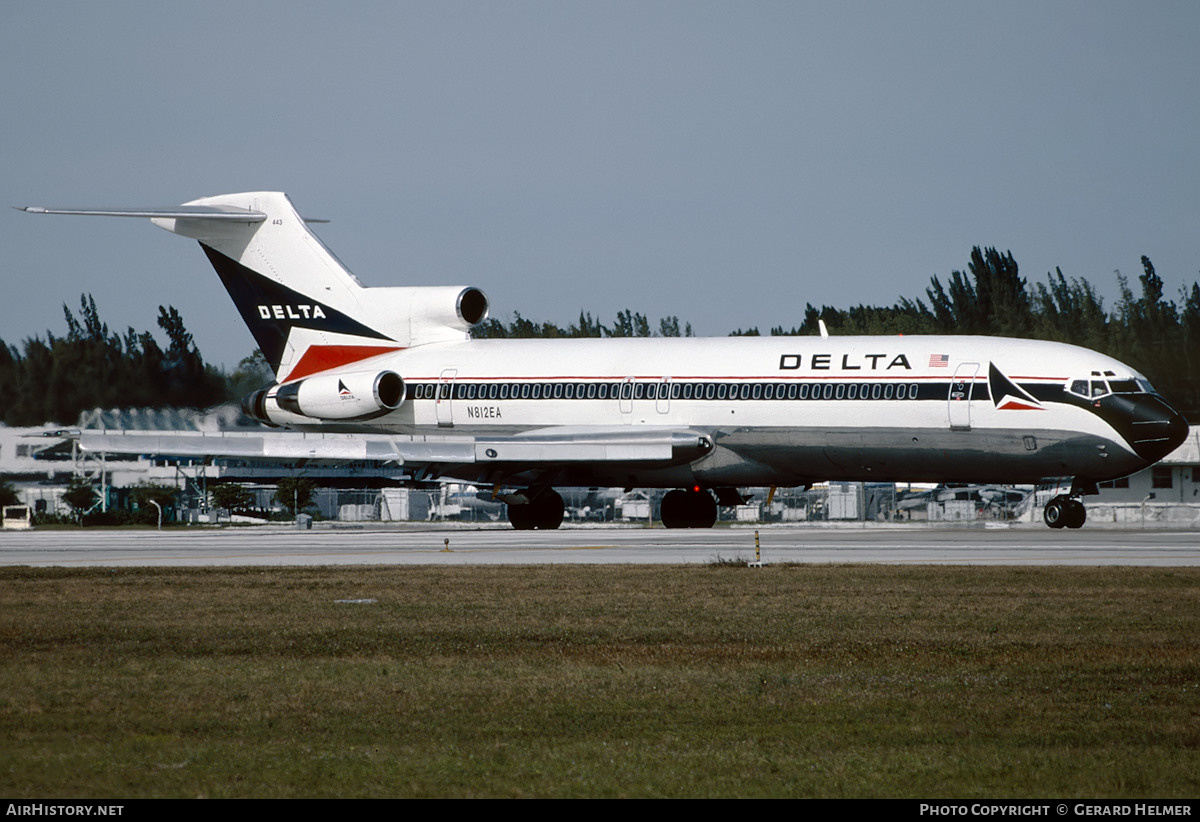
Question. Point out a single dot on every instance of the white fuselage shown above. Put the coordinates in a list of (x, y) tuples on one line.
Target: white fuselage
[(780, 410)]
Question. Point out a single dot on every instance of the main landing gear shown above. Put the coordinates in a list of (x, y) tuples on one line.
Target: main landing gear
[(1064, 512), (543, 511), (688, 509)]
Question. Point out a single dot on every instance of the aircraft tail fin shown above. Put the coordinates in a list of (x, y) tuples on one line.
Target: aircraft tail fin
[(306, 311)]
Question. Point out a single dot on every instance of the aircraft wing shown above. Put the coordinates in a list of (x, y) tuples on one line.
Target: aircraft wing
[(546, 446)]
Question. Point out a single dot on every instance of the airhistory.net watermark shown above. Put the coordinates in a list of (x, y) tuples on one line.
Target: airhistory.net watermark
[(50, 809)]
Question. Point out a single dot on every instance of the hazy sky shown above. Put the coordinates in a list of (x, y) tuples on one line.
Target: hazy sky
[(724, 162)]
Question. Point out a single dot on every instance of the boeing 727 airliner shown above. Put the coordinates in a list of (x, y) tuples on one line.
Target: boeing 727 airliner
[(704, 417)]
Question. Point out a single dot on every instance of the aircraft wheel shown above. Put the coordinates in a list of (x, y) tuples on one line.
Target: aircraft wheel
[(521, 517), (673, 511), (704, 509), (1075, 514), (544, 512), (688, 509), (549, 510), (1055, 512)]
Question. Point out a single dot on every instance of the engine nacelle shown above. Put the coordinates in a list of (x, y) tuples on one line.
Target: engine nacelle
[(354, 396), (434, 310), (416, 315)]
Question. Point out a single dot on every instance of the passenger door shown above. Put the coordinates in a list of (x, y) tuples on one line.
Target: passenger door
[(961, 388), (444, 399)]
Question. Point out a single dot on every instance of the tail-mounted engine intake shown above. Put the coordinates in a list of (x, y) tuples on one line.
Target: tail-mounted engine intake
[(355, 396), (432, 313)]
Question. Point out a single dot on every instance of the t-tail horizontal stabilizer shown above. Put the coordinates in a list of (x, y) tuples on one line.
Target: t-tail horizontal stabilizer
[(240, 215)]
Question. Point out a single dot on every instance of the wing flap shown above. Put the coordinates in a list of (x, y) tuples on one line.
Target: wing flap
[(558, 445)]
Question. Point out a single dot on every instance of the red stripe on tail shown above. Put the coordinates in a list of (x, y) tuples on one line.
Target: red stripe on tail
[(323, 357)]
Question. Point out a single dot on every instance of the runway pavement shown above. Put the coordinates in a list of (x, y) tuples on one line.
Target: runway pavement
[(451, 545)]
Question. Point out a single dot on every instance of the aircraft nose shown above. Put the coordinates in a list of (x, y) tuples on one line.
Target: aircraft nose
[(1155, 429)]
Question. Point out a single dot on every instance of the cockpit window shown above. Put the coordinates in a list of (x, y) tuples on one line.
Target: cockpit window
[(1089, 388), (1099, 387)]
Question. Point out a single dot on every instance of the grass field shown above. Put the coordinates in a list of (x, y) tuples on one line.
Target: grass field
[(821, 681)]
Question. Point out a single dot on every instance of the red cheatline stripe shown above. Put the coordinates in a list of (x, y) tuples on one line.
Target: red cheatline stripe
[(323, 357)]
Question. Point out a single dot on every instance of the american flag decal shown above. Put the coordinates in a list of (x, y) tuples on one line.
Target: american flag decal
[(939, 360)]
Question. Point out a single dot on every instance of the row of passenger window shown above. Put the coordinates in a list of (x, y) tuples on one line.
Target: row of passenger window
[(677, 390)]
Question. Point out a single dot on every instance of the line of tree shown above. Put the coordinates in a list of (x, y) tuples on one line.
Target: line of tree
[(627, 324), (52, 380)]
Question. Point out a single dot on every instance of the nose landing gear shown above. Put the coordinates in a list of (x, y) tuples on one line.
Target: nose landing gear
[(1064, 512)]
